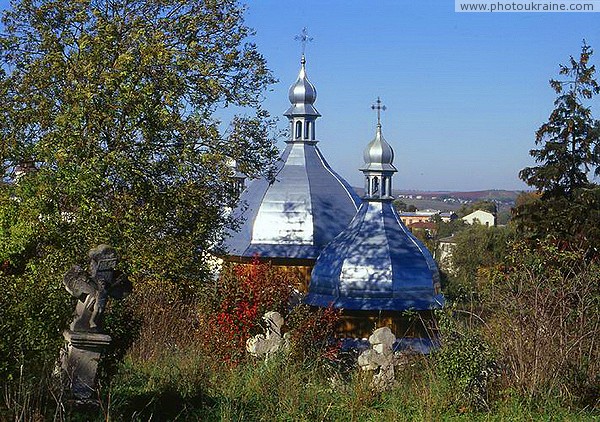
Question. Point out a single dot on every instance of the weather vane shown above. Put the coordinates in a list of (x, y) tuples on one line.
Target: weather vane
[(378, 107), (303, 38)]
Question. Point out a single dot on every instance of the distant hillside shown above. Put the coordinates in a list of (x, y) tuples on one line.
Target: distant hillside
[(502, 196), (498, 195)]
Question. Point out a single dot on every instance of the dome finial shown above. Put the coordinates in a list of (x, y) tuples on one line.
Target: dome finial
[(378, 107), (303, 38), (302, 93)]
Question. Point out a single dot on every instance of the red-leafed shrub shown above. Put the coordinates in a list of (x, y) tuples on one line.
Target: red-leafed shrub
[(313, 332), (237, 302)]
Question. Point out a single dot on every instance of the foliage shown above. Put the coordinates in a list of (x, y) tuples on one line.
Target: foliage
[(446, 229), (110, 105), (114, 102), (477, 248), (312, 332), (545, 307), (33, 312), (240, 298), (570, 140), (566, 206), (574, 220), (401, 206), (426, 236), (465, 361)]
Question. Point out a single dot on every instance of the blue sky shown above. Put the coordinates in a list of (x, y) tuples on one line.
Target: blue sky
[(465, 91)]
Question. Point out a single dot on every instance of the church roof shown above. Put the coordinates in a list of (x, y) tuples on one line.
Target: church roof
[(376, 263), (306, 205)]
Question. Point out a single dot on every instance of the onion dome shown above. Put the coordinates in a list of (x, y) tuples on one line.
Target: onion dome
[(376, 263), (302, 95), (306, 205), (378, 154)]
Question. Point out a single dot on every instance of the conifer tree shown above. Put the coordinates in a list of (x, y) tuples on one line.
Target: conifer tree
[(567, 209), (570, 139)]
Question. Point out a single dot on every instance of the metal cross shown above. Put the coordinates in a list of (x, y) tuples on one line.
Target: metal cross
[(378, 107), (303, 38)]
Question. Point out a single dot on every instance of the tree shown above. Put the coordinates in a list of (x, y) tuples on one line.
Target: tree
[(570, 139), (566, 206), (477, 248), (402, 206), (114, 102)]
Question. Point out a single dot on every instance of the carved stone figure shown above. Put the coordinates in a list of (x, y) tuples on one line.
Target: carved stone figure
[(270, 342), (85, 342), (93, 287), (380, 358)]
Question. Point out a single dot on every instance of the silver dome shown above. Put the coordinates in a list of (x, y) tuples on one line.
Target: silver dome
[(378, 155), (302, 95)]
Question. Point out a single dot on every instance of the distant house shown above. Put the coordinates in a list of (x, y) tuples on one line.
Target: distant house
[(409, 218), (480, 217), (448, 216)]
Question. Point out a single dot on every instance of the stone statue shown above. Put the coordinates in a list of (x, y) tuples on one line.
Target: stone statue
[(270, 342), (93, 287), (85, 342), (380, 358)]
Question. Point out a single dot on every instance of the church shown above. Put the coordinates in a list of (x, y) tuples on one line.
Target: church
[(355, 253)]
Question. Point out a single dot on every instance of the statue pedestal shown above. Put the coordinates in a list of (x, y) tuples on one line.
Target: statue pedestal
[(80, 361)]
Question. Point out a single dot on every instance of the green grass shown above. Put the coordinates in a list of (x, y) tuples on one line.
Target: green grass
[(184, 387)]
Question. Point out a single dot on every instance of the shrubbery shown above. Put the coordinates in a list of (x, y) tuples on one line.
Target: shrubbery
[(545, 321)]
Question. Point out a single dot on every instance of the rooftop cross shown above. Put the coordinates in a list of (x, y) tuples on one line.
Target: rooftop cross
[(303, 38), (378, 107)]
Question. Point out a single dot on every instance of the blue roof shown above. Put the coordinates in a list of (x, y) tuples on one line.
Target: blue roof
[(306, 206), (375, 264)]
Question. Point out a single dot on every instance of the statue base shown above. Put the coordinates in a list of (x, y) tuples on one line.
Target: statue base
[(79, 362)]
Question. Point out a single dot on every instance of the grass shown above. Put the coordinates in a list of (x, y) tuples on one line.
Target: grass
[(184, 387), (189, 385)]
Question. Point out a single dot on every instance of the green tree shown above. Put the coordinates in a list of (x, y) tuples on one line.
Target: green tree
[(477, 248), (402, 206), (570, 139), (445, 229), (114, 102), (567, 205)]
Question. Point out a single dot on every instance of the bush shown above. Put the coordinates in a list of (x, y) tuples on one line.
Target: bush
[(545, 323), (477, 248), (465, 362), (234, 305), (313, 334), (34, 310)]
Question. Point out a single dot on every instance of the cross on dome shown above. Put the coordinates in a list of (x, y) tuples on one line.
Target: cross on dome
[(304, 39), (378, 107)]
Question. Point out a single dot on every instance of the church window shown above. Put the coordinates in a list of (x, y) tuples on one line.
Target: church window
[(307, 127), (375, 186)]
